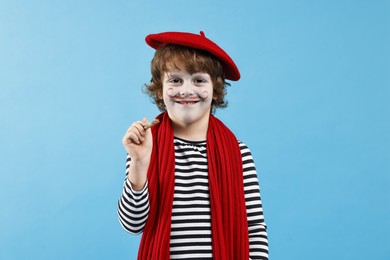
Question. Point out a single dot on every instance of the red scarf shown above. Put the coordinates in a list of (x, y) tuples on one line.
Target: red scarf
[(227, 201)]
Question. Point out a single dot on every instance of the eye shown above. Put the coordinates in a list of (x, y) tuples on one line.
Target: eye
[(200, 81), (174, 81)]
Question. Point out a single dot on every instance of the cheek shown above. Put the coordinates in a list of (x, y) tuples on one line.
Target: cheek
[(204, 94), (171, 93), (168, 96)]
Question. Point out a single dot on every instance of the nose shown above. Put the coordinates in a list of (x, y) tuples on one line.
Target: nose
[(187, 89)]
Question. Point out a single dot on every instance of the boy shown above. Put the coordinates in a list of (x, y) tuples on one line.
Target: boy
[(190, 186)]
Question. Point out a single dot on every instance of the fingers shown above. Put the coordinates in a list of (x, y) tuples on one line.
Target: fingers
[(134, 138), (137, 127), (136, 132), (152, 123)]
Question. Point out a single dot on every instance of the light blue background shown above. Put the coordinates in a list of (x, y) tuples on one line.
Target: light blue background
[(313, 106)]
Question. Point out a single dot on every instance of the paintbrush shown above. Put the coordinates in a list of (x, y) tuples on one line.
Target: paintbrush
[(152, 123)]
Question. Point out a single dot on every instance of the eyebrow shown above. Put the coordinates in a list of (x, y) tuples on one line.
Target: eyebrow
[(201, 74), (173, 74), (178, 74)]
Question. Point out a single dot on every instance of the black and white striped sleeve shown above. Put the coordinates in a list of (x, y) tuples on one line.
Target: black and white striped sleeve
[(133, 206), (258, 239)]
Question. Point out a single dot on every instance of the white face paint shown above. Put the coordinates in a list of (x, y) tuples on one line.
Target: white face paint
[(187, 97)]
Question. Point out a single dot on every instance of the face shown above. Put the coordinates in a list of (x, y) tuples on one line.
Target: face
[(187, 97)]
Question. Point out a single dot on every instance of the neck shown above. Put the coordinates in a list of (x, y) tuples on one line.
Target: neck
[(195, 131)]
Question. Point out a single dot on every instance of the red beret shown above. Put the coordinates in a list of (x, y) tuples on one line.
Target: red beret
[(198, 42)]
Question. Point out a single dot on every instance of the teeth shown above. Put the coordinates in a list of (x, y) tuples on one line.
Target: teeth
[(188, 102)]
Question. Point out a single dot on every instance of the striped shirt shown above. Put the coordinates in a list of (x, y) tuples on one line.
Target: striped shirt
[(191, 220)]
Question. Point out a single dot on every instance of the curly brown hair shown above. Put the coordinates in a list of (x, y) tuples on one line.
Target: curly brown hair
[(192, 60)]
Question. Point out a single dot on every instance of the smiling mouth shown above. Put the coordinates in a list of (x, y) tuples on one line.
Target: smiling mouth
[(186, 102)]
